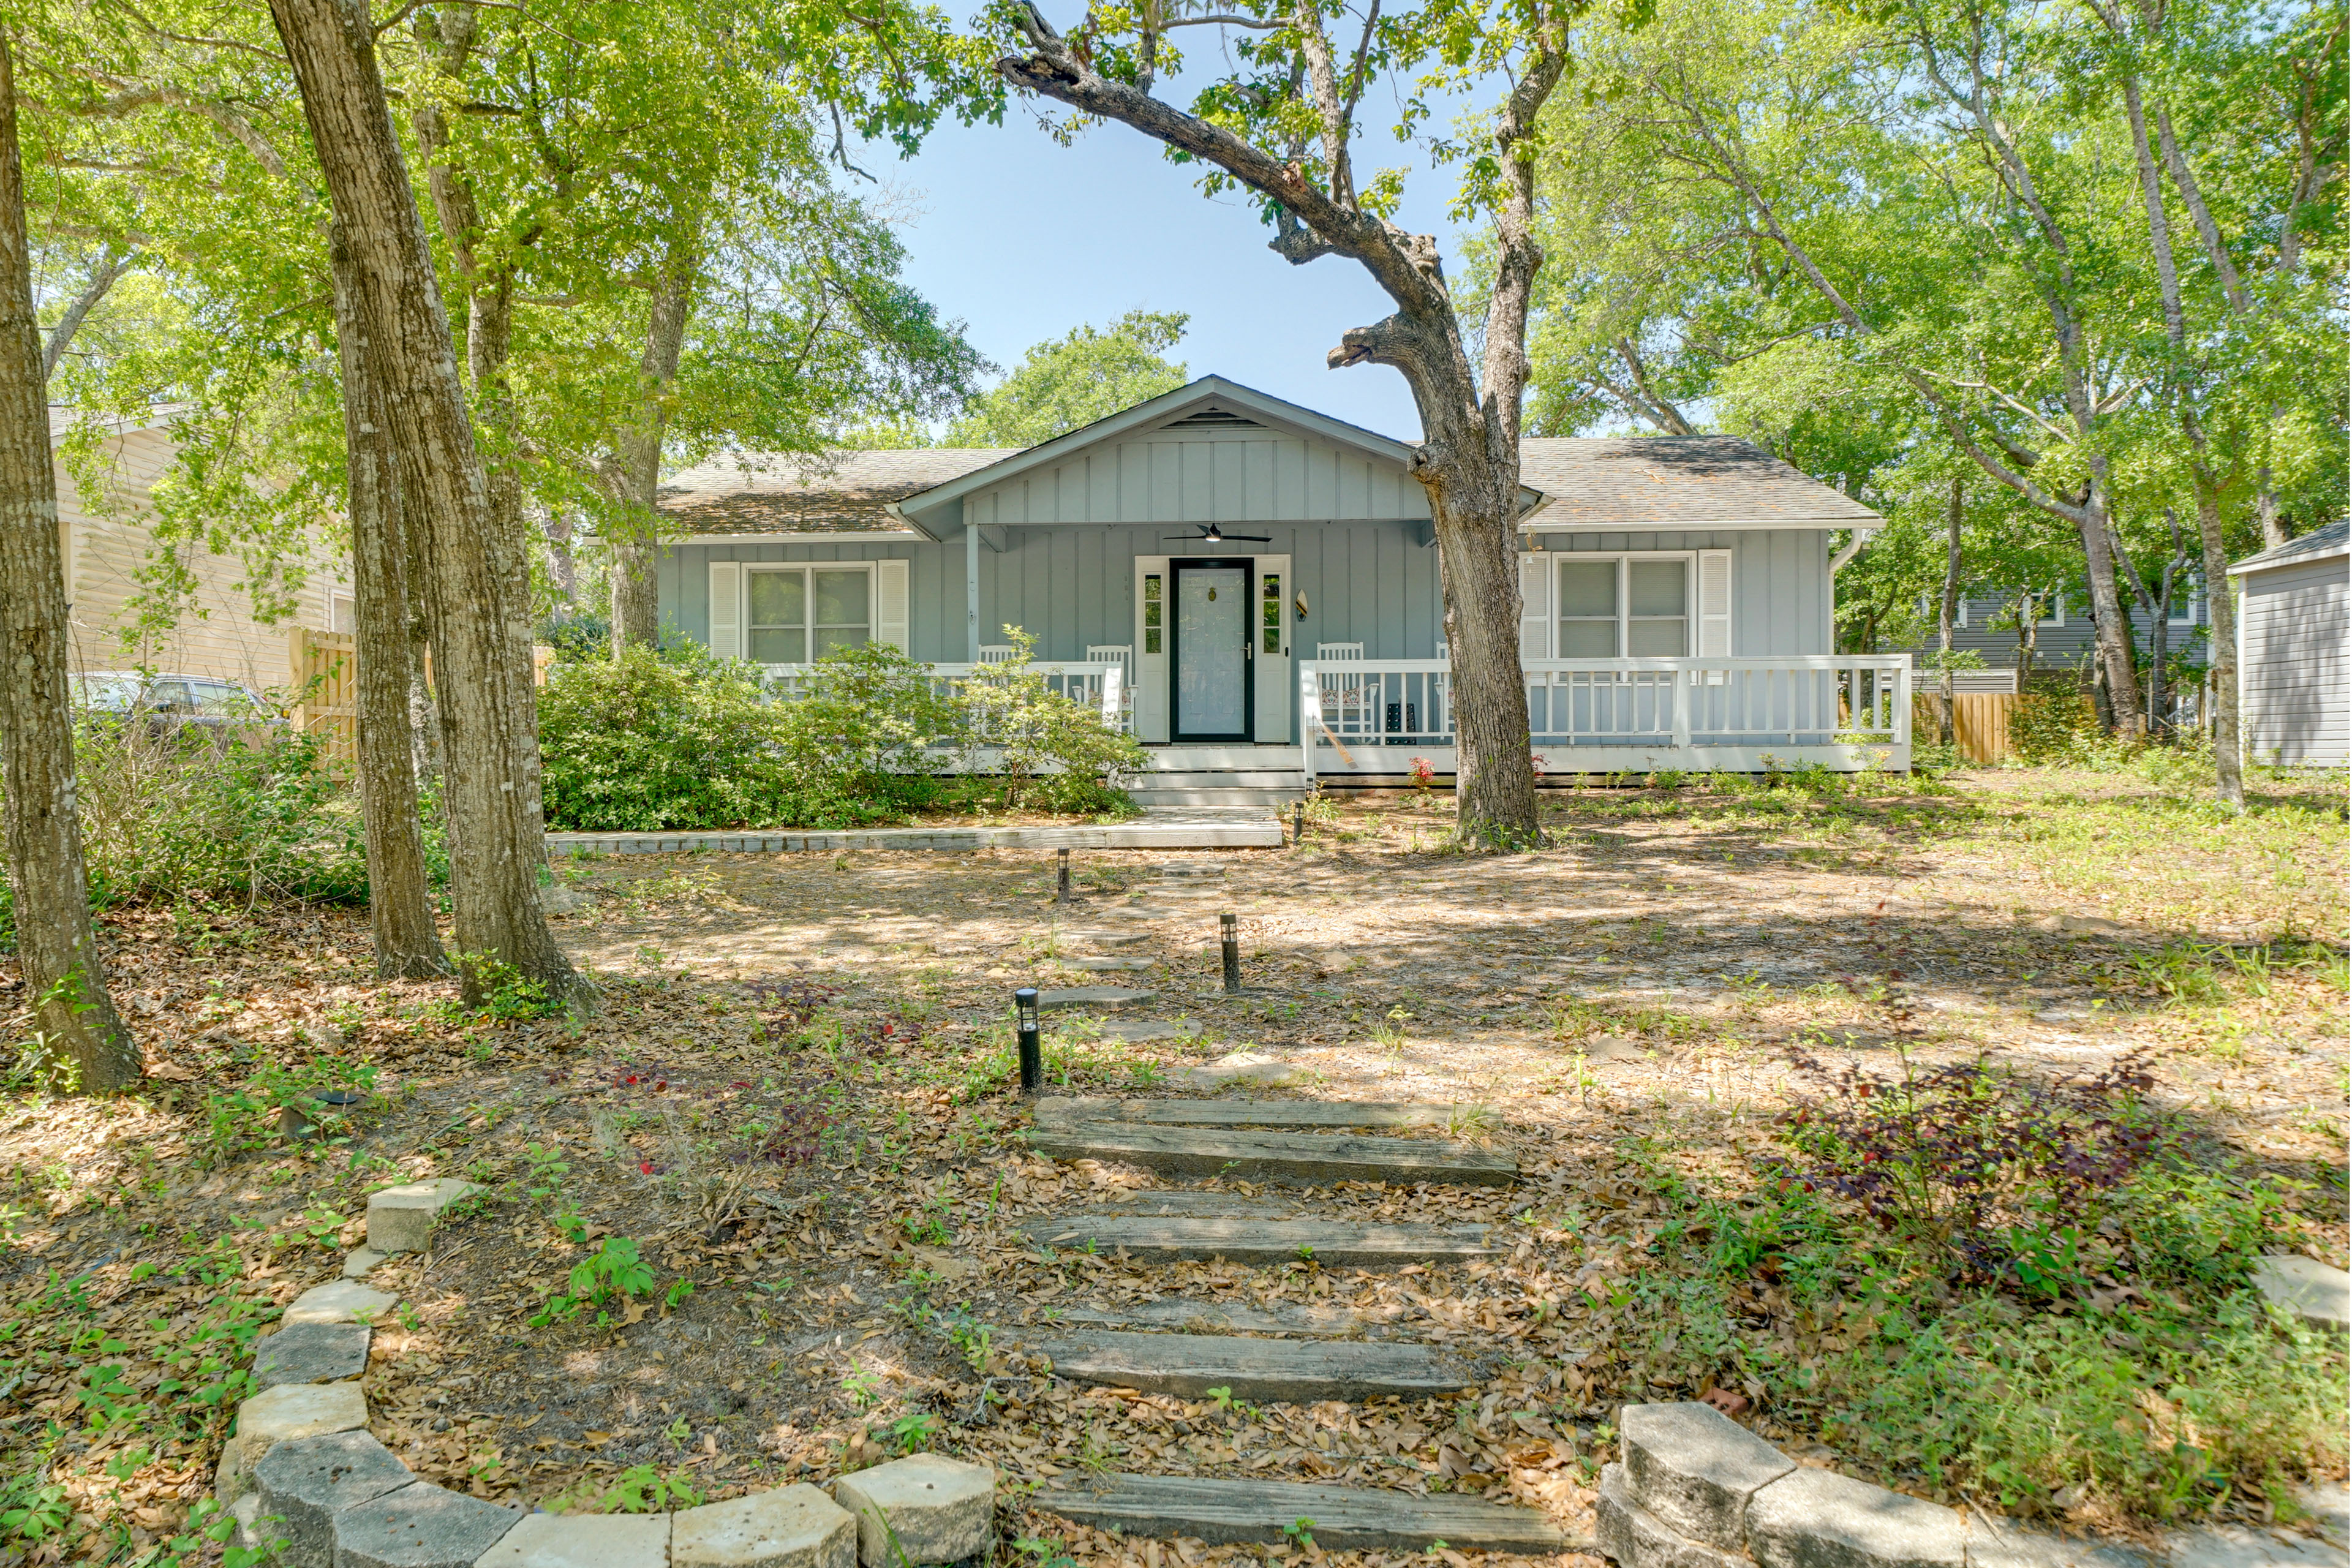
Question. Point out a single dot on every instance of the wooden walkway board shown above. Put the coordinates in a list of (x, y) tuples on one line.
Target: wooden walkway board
[(1346, 1518), (1266, 1240), (1297, 1372), (1275, 1156), (1218, 1317), (1248, 1113)]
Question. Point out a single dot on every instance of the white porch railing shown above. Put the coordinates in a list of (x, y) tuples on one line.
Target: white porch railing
[(1101, 685), (1685, 705)]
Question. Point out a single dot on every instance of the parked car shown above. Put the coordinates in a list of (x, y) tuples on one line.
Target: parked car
[(171, 703)]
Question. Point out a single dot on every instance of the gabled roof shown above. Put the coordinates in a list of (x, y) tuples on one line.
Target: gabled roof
[(2320, 544), (930, 511), (793, 492), (1617, 482), (1604, 483)]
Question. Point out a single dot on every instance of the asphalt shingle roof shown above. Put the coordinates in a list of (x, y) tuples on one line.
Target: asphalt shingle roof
[(1617, 482), (842, 492), (2320, 542), (1605, 482)]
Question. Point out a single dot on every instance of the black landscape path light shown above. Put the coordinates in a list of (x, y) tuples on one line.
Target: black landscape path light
[(1233, 955), (1062, 877), (1032, 1061)]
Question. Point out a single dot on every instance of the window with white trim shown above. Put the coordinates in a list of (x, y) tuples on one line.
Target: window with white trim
[(2188, 599), (1633, 606), (2053, 611), (797, 615)]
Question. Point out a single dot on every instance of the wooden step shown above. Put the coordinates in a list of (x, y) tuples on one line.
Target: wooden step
[(1221, 1318), (1344, 1518), (1294, 1372), (1266, 1240), (1253, 1113), (1275, 1156)]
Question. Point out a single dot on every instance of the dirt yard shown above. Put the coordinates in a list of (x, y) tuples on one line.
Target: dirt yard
[(797, 1104)]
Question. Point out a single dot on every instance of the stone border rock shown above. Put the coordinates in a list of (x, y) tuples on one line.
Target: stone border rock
[(1696, 1489), (302, 1469)]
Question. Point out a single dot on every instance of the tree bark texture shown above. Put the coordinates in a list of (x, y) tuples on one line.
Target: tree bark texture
[(1948, 610), (400, 899), (1468, 459), (2221, 636), (482, 677), (636, 603), (57, 947)]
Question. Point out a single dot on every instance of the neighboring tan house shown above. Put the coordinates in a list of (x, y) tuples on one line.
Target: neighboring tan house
[(218, 635), (1252, 588), (2295, 669)]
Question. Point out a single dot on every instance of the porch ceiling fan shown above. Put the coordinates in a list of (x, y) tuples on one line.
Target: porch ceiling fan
[(1211, 534)]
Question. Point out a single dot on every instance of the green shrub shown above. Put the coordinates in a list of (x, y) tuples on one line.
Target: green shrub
[(184, 816), (859, 728), (649, 740), (1047, 746), (2053, 729)]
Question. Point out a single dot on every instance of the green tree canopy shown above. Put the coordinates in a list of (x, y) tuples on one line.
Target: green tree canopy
[(1077, 380)]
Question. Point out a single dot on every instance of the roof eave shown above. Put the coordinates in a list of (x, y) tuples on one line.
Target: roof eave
[(2266, 560)]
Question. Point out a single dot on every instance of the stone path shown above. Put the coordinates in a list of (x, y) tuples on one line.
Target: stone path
[(1160, 828), (1312, 1361)]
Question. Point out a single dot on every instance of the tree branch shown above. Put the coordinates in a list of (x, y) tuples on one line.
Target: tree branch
[(112, 265)]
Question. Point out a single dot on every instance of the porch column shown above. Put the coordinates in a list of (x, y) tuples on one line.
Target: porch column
[(972, 591)]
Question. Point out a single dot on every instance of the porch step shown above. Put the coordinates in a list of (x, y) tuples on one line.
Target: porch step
[(1290, 1372), (1274, 801), (1275, 1156), (1263, 1241), (1248, 1114), (1347, 1517)]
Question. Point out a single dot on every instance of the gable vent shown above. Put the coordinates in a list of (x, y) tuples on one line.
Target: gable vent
[(1212, 420)]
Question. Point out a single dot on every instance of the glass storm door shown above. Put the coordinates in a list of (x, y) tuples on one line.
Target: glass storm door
[(1212, 662)]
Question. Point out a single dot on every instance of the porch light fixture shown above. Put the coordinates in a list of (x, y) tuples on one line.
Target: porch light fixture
[(1033, 1062), (1299, 604)]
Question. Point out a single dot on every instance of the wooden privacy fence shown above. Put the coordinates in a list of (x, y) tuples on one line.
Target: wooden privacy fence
[(1979, 722), (326, 686)]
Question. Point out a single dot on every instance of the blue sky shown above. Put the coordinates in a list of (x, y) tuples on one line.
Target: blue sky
[(1024, 239)]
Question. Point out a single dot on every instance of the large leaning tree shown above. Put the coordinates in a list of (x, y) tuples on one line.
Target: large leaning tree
[(1282, 123)]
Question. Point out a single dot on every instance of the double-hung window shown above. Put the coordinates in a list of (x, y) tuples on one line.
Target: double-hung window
[(796, 615), (1631, 606)]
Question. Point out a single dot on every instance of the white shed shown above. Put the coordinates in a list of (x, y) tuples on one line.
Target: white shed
[(2294, 651)]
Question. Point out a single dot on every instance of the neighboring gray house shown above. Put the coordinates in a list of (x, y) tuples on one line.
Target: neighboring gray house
[(2062, 631), (1229, 575), (2294, 683)]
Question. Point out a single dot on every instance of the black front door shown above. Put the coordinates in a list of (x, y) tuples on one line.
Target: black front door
[(1209, 667)]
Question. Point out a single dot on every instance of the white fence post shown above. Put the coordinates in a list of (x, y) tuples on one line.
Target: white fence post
[(1110, 696), (1310, 715)]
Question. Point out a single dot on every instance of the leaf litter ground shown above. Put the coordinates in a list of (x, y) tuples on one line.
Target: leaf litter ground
[(795, 1099)]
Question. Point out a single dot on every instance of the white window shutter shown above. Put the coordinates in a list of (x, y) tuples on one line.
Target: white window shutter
[(1534, 607), (1714, 604), (890, 604), (727, 609)]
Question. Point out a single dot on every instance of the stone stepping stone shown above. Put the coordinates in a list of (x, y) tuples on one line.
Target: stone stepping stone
[(1294, 1372), (1345, 1518), (583, 1541), (1256, 1156), (1161, 1240), (305, 1483), (2320, 1296), (1249, 1113), (1073, 996), (1144, 912), (311, 1352), (344, 1301), (1135, 1033), (1108, 937), (1110, 966)]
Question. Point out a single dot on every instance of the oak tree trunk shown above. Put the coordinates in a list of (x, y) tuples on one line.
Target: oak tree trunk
[(482, 678), (2221, 637), (1948, 610), (635, 604), (56, 947), (400, 899)]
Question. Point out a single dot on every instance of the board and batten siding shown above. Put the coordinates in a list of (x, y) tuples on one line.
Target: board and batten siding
[(1074, 587), (1232, 476), (2294, 692), (104, 555)]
